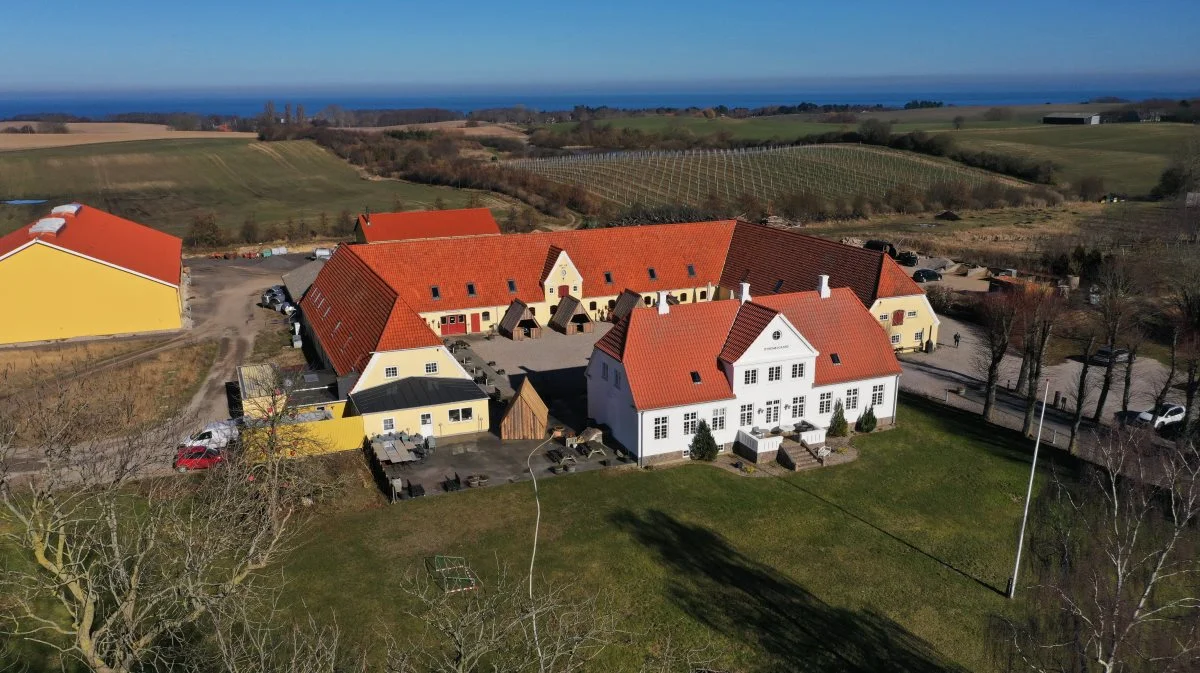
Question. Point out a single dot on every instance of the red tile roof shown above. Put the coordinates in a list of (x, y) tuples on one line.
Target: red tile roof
[(413, 267), (697, 336), (838, 324), (775, 260), (110, 239), (427, 224), (353, 313)]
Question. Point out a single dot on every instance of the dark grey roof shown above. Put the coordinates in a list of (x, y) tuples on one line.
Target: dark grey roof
[(297, 281), (626, 302), (568, 306), (415, 391), (312, 387)]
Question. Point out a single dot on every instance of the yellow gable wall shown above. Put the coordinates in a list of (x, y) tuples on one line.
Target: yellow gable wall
[(924, 322), (409, 362), (409, 420), (563, 273), (49, 294)]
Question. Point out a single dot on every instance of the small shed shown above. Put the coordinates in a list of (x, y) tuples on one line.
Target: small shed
[(570, 318), (626, 302), (527, 415), (518, 322), (948, 216)]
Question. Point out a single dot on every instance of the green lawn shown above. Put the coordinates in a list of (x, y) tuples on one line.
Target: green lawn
[(891, 563), (164, 183)]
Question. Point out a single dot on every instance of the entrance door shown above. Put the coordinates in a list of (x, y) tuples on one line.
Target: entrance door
[(426, 425), (563, 290), (454, 324), (474, 322)]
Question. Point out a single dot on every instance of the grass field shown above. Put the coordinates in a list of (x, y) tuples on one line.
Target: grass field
[(831, 171), (1130, 157), (164, 183), (87, 133), (891, 563)]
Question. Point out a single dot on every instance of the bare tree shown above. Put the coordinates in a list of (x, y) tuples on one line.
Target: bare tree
[(1041, 310), (1134, 339), (1116, 576), (1082, 392), (998, 312), (1117, 310)]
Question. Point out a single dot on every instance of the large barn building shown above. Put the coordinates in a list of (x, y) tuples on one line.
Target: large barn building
[(82, 272)]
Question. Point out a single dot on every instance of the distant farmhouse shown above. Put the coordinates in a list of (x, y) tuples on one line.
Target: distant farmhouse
[(1088, 118), (407, 226), (82, 272)]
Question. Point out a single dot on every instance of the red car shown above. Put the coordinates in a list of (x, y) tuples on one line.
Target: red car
[(197, 458)]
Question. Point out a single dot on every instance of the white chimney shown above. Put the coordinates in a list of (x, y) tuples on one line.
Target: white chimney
[(745, 295), (823, 287), (663, 307)]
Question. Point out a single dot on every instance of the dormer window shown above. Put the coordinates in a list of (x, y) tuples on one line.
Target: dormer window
[(691, 271), (608, 277), (435, 292), (653, 274), (512, 286), (837, 359), (470, 289)]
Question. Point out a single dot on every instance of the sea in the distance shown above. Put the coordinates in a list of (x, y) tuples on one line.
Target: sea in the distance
[(99, 106)]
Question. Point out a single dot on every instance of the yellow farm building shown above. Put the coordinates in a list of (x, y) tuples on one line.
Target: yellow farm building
[(82, 272)]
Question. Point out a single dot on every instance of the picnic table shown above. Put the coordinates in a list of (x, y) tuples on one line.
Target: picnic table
[(560, 457), (394, 450)]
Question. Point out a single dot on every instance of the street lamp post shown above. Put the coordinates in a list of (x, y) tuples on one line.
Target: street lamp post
[(1012, 581)]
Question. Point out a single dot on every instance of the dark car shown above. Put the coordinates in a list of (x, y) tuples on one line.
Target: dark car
[(907, 258), (1106, 355), (926, 275)]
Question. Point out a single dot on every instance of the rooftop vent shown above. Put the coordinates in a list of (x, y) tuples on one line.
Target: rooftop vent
[(48, 225), (68, 209)]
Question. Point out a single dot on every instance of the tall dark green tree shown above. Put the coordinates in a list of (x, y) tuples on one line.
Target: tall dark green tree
[(704, 446)]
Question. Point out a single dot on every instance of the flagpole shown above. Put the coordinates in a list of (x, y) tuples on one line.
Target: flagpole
[(1012, 582)]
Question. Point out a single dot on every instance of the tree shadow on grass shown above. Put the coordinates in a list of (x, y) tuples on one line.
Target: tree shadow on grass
[(793, 629)]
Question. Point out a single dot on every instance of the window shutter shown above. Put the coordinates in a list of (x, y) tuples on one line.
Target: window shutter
[(898, 317)]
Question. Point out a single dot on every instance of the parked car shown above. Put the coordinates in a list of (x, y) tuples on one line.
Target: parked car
[(926, 275), (197, 458), (908, 258), (1164, 415), (214, 436), (1105, 355), (322, 253)]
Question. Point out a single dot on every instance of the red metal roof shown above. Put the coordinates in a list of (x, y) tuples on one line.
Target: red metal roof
[(382, 227), (353, 313), (660, 351), (109, 239), (777, 261), (489, 262)]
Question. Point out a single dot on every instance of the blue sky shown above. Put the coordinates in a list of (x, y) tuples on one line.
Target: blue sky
[(139, 44)]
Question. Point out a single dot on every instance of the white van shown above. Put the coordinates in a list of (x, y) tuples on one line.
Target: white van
[(214, 435)]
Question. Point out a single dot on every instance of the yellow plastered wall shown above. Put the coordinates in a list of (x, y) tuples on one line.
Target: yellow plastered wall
[(409, 420), (924, 322), (315, 438), (49, 294), (409, 362), (563, 273)]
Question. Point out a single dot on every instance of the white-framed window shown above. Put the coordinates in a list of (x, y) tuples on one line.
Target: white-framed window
[(690, 422), (877, 395), (660, 427), (617, 380), (431, 368), (825, 403), (389, 424), (852, 398), (750, 377), (919, 337), (426, 419), (718, 419), (798, 370), (775, 373), (604, 370), (772, 412), (390, 372), (911, 314), (798, 407), (746, 417), (461, 415), (883, 317), (895, 339)]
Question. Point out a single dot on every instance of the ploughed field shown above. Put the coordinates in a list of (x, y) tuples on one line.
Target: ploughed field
[(829, 171)]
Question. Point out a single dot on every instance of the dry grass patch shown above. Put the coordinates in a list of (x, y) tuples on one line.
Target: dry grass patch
[(68, 358), (99, 132)]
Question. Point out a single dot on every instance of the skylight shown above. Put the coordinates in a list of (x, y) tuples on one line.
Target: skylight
[(512, 285), (653, 273), (435, 292), (691, 271), (837, 359), (695, 377), (470, 289), (608, 277), (778, 285)]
